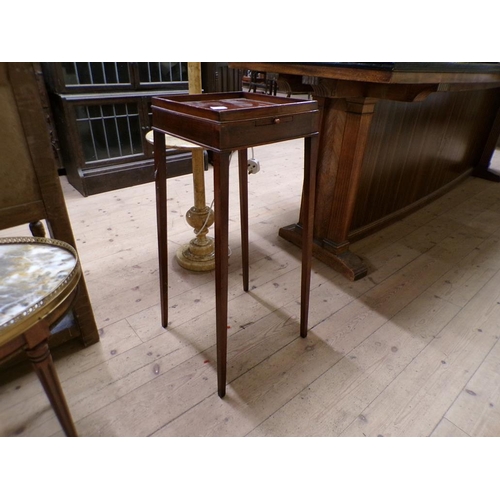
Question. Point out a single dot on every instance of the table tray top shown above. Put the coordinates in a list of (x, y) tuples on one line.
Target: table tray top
[(234, 106), (34, 276)]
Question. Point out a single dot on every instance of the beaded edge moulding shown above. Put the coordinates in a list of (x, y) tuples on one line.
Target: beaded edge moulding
[(38, 306)]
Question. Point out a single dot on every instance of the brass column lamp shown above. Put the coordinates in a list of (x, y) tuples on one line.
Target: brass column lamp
[(199, 253)]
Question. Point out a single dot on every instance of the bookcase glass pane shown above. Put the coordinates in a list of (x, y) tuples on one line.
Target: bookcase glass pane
[(95, 73), (162, 72), (109, 130)]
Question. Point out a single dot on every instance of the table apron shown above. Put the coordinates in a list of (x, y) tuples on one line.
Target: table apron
[(220, 136)]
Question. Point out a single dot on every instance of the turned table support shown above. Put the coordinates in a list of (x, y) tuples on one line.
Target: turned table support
[(199, 253)]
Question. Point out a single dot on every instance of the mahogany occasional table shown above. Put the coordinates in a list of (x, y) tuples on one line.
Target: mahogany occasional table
[(222, 123)]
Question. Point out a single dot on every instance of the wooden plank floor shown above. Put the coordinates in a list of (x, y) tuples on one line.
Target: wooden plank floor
[(410, 350)]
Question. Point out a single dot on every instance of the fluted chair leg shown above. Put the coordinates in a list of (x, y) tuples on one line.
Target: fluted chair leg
[(41, 360)]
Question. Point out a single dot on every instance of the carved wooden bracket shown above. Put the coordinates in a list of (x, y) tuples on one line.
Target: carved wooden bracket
[(323, 87), (292, 84)]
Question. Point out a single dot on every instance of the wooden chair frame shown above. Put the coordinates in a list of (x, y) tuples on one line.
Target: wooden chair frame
[(26, 118)]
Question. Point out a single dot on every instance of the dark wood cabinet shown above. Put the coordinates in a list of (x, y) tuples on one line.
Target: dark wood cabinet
[(102, 112), (219, 77)]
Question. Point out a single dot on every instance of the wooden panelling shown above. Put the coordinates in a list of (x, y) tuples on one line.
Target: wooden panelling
[(415, 149)]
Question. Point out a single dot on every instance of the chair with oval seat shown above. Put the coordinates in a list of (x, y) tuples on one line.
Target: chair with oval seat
[(38, 282)]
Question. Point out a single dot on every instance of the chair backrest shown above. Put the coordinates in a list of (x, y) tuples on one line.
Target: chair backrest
[(30, 188)]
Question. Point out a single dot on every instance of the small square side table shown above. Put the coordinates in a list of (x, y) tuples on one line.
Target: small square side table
[(222, 123)]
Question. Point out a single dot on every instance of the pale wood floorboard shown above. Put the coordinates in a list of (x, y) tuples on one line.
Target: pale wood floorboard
[(410, 350)]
